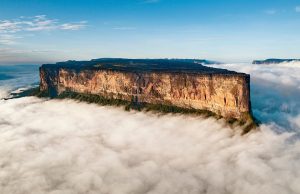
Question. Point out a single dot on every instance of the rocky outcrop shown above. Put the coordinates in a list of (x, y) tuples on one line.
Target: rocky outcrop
[(180, 84)]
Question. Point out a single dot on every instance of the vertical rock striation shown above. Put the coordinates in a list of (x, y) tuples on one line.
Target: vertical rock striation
[(167, 82)]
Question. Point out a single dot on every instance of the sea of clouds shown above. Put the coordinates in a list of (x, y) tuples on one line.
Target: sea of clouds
[(275, 92), (62, 146)]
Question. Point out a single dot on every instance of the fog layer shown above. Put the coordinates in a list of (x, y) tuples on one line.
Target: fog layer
[(61, 147)]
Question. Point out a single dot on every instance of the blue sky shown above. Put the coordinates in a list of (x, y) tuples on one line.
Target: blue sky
[(40, 31)]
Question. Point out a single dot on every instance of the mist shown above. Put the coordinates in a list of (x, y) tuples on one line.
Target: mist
[(63, 146), (275, 92)]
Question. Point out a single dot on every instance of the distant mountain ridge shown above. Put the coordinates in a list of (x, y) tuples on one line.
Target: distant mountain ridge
[(274, 61)]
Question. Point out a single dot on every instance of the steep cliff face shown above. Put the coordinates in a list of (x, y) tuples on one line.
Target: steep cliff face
[(226, 93)]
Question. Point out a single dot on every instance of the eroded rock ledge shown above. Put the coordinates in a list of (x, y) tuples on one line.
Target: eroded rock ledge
[(166, 82)]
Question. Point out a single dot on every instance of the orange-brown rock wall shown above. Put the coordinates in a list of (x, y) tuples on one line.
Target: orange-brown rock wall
[(227, 95)]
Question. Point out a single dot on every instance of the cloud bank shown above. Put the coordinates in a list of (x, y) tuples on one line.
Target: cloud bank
[(62, 147), (66, 147), (275, 91)]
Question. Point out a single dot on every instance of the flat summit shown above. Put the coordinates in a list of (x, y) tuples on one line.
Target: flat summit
[(159, 82), (141, 65)]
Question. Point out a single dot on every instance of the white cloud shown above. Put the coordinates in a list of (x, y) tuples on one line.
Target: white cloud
[(73, 26), (40, 24), (37, 23), (58, 144), (297, 9), (275, 91), (7, 26)]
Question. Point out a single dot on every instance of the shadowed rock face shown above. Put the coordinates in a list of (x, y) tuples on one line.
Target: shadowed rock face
[(168, 82)]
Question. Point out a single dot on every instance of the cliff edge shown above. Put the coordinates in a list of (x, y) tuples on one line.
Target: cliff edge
[(154, 81)]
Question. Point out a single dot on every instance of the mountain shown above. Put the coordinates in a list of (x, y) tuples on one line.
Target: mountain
[(197, 61), (161, 83), (274, 61)]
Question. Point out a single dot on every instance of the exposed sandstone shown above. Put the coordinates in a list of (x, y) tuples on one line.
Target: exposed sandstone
[(185, 85)]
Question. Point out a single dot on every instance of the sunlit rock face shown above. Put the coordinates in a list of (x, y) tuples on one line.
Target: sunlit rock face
[(185, 85)]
